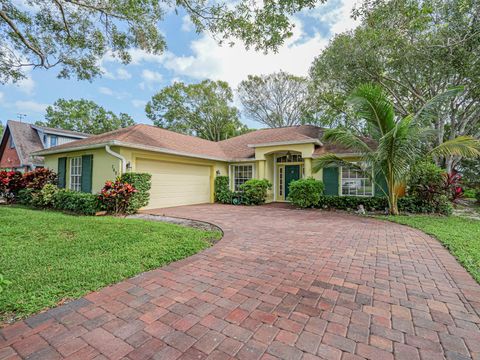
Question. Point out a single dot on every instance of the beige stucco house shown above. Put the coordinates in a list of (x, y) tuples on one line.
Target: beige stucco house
[(184, 167)]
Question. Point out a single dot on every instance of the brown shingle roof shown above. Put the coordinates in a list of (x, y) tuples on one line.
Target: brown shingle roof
[(27, 140), (239, 147)]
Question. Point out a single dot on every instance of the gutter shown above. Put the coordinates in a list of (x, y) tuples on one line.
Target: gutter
[(292, 142), (118, 156)]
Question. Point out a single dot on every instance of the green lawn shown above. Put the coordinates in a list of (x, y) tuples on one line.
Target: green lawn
[(460, 235), (49, 256)]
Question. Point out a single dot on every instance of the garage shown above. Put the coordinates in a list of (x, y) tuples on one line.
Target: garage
[(175, 184)]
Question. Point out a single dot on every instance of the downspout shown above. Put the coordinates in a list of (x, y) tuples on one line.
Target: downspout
[(118, 156)]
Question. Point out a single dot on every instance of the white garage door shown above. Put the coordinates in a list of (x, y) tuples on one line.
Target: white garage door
[(175, 184)]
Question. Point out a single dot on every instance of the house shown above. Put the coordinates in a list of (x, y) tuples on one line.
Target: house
[(20, 140), (183, 167)]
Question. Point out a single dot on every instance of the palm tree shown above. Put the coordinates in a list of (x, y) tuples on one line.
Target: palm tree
[(399, 142)]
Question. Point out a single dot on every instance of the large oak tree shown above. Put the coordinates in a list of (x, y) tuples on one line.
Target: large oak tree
[(275, 100), (205, 110), (75, 34), (84, 116), (415, 50)]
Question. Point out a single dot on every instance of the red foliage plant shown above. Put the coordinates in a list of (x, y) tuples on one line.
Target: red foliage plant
[(39, 177), (115, 196), (453, 186), (11, 182)]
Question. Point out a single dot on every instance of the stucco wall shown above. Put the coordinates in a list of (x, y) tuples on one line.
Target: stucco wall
[(105, 166)]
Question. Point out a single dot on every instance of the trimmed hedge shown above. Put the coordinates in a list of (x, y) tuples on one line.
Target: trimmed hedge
[(77, 202), (61, 199), (305, 192), (142, 182), (406, 204), (254, 191)]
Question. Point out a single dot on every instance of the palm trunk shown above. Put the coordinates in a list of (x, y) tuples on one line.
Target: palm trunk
[(392, 195)]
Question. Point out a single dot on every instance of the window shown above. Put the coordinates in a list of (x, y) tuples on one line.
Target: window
[(356, 183), (12, 143), (290, 158), (53, 140), (76, 174), (241, 174)]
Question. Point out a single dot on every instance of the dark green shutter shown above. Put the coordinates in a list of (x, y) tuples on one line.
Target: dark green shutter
[(87, 167), (330, 180), (61, 172)]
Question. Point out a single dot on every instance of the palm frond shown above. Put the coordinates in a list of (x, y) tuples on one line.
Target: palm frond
[(371, 104), (329, 160), (464, 146), (430, 109), (347, 139)]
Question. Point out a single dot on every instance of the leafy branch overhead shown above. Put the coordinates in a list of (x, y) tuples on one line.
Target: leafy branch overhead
[(76, 34)]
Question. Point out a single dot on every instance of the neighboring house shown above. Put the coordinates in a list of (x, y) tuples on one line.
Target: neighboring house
[(183, 167), (20, 140)]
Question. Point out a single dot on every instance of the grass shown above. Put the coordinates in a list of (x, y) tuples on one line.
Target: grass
[(49, 257), (460, 235)]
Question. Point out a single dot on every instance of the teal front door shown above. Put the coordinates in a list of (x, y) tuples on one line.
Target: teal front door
[(292, 172)]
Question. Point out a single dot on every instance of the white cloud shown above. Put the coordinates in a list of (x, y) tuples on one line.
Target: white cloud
[(105, 91), (118, 74), (150, 78), (26, 85), (233, 64), (30, 106), (139, 103), (336, 14), (2, 97), (187, 24)]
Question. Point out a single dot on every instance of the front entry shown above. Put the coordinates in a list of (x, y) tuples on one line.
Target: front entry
[(292, 172)]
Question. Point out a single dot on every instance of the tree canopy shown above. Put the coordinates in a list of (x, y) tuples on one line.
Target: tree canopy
[(415, 50), (398, 142), (84, 116), (204, 110), (76, 34), (275, 100)]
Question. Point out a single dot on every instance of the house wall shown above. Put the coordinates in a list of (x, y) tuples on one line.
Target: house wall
[(216, 167), (9, 158), (105, 166)]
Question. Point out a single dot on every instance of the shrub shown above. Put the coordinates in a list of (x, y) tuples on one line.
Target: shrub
[(255, 191), (469, 193), (477, 196), (223, 194), (426, 181), (348, 203), (407, 204), (11, 182), (25, 196), (45, 197), (305, 192), (115, 196), (142, 182), (39, 177), (77, 202), (452, 185)]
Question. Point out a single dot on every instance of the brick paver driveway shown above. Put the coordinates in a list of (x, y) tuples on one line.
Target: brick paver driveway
[(282, 283)]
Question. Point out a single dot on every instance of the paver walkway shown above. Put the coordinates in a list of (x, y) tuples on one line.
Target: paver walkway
[(282, 283)]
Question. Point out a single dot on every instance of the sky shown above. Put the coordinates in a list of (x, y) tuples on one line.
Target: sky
[(190, 57)]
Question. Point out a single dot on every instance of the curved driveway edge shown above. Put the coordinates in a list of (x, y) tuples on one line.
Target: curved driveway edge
[(282, 283)]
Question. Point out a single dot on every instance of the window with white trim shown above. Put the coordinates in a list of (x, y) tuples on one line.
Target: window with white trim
[(355, 182), (76, 173), (241, 174)]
